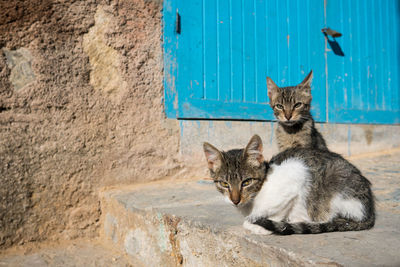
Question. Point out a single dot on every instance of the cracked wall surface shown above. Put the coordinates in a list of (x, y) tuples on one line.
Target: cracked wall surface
[(80, 108)]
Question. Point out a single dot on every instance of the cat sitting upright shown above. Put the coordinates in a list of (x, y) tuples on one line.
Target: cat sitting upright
[(300, 191), (291, 106)]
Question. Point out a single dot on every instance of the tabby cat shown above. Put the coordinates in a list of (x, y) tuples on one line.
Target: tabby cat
[(291, 106), (299, 191)]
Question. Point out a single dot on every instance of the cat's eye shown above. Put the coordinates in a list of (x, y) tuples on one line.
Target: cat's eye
[(224, 184), (247, 182), (278, 106), (298, 105)]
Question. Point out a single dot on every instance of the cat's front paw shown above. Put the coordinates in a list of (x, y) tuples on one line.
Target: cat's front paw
[(256, 229), (252, 218)]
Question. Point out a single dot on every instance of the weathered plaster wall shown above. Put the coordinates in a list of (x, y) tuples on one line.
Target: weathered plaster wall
[(80, 108)]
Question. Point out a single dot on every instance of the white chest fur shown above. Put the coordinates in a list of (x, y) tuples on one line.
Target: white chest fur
[(283, 195)]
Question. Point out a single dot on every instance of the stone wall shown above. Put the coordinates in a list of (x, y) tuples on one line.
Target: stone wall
[(80, 108)]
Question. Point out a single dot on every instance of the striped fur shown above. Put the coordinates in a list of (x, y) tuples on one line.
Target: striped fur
[(299, 191), (337, 224), (291, 106)]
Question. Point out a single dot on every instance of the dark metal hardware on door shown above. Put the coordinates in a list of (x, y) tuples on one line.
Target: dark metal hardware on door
[(334, 45), (178, 23), (331, 32)]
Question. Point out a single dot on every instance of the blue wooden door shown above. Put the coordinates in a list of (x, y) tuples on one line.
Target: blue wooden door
[(216, 67), (217, 54), (363, 85)]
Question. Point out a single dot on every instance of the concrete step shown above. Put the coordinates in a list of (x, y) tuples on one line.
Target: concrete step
[(188, 223)]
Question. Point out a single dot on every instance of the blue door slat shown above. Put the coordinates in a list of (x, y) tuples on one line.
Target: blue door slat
[(216, 67), (170, 59), (210, 49), (236, 51), (380, 70), (223, 50), (346, 19), (248, 51), (386, 53), (294, 41), (192, 52), (272, 40), (395, 28), (315, 58), (261, 52), (373, 66), (356, 57), (366, 77), (281, 36)]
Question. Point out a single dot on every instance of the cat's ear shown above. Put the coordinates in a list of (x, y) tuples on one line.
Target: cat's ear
[(213, 156), (307, 80), (272, 88), (253, 152)]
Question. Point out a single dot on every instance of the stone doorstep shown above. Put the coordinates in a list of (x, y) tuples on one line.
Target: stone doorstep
[(188, 223), (345, 139)]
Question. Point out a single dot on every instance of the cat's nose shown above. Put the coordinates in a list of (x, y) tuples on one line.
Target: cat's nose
[(288, 116), (236, 201), (235, 196)]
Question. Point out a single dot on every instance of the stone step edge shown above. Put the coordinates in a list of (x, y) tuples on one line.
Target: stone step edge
[(150, 238)]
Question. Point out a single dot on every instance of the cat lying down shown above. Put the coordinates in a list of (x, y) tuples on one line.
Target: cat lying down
[(299, 191)]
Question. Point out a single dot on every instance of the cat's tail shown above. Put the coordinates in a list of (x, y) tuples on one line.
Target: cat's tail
[(337, 224)]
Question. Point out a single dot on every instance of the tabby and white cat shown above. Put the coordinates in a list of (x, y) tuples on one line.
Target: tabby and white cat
[(291, 106), (300, 191)]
